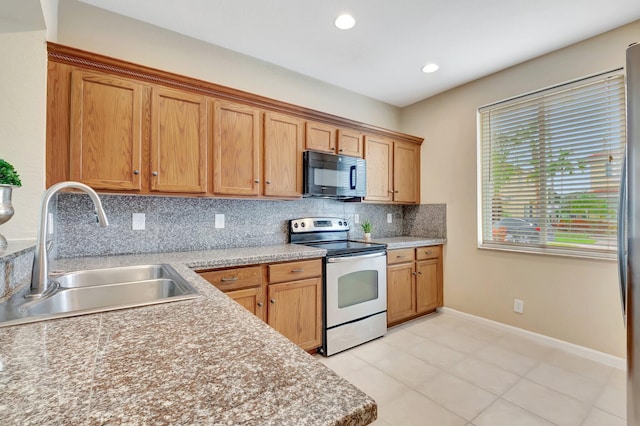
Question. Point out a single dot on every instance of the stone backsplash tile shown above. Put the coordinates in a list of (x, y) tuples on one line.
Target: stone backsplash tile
[(425, 220), (187, 224)]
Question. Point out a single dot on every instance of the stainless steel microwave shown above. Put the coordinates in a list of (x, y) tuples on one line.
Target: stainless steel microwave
[(334, 176)]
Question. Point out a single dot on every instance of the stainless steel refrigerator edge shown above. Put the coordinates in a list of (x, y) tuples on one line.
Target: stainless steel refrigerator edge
[(629, 239)]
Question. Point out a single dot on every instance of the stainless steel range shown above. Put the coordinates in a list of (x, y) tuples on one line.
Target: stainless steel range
[(355, 283)]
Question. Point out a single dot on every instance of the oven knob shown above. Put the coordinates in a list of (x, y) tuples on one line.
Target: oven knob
[(302, 224), (295, 225), (340, 223)]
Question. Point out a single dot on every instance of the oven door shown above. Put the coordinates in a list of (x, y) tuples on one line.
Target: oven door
[(356, 287)]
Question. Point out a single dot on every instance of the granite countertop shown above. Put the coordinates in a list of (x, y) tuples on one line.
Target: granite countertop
[(200, 361), (407, 242)]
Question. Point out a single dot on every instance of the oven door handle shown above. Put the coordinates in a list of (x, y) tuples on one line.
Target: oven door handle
[(353, 258)]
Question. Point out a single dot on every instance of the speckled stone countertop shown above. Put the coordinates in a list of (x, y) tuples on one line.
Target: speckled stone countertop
[(407, 242), (202, 361)]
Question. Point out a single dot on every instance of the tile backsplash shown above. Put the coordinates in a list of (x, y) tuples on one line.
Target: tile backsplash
[(185, 224)]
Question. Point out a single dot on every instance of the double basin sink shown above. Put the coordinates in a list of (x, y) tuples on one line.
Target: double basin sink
[(98, 290)]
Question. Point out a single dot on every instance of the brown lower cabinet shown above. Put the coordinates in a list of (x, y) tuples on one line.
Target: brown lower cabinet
[(287, 296), (414, 283)]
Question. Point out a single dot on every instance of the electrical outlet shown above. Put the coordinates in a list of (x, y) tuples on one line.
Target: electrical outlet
[(518, 306), (389, 218), (356, 218), (219, 218), (138, 222)]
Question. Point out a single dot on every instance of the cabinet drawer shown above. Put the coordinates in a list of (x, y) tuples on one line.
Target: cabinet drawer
[(234, 279), (431, 252), (291, 271), (400, 256)]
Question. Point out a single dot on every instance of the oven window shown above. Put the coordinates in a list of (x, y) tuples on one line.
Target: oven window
[(357, 287)]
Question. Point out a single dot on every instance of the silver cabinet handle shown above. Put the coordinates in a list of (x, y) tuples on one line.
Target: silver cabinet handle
[(225, 279), (136, 172), (414, 273), (390, 191), (268, 182), (272, 301), (259, 304), (297, 270), (154, 173), (257, 181), (419, 273)]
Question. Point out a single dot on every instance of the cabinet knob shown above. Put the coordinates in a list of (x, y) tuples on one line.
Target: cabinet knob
[(428, 252), (396, 191), (272, 301), (257, 181), (419, 273), (268, 182), (136, 172), (225, 279), (390, 192), (154, 173), (340, 150), (414, 273), (259, 304), (297, 270), (333, 148)]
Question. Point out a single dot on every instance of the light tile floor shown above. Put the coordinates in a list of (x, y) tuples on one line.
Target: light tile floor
[(443, 370)]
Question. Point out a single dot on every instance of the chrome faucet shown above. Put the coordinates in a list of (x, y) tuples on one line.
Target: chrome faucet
[(40, 276)]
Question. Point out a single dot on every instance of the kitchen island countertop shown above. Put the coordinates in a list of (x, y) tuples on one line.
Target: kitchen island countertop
[(200, 361)]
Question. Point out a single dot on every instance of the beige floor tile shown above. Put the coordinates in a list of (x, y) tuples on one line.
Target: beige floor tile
[(343, 363), (375, 383), (415, 409), (613, 400), (485, 376), (506, 359), (480, 332), (569, 383), (577, 364), (403, 339), (524, 346), (407, 369), (428, 329), (462, 398), (460, 342), (374, 351), (436, 354), (547, 403), (502, 413), (601, 418)]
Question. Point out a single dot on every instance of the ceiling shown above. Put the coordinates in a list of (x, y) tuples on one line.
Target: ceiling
[(382, 56)]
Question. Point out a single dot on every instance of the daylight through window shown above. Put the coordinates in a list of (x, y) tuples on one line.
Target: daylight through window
[(550, 168)]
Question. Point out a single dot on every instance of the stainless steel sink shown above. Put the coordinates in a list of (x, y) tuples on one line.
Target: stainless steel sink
[(99, 290)]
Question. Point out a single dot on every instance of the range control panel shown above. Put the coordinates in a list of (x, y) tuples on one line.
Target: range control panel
[(319, 224)]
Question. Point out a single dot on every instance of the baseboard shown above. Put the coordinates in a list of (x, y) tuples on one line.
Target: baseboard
[(593, 355)]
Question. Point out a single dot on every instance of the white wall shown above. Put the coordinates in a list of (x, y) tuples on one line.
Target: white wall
[(575, 300), (23, 90), (96, 30)]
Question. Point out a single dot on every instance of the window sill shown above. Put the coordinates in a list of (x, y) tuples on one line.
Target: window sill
[(549, 251)]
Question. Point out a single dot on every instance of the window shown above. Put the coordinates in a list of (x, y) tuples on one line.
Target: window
[(550, 166)]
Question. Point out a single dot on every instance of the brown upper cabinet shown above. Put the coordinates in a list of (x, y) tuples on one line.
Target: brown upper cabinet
[(123, 127), (393, 171), (105, 142), (330, 139), (236, 149), (178, 142), (283, 142)]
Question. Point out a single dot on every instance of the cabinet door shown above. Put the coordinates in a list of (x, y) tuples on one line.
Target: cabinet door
[(350, 143), (105, 131), (406, 172), (251, 299), (236, 149), (320, 137), (295, 310), (427, 285), (283, 139), (378, 152), (178, 142), (401, 301)]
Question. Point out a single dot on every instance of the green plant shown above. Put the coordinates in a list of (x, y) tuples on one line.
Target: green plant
[(367, 226), (8, 174)]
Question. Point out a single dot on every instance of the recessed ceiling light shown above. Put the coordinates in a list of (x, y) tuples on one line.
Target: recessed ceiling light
[(430, 68), (345, 22)]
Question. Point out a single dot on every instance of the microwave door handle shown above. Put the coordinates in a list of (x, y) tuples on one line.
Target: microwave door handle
[(353, 178)]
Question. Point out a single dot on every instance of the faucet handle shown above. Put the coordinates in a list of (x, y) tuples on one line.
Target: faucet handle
[(49, 245)]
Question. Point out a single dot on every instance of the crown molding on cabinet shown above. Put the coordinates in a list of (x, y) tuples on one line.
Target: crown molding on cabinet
[(80, 58)]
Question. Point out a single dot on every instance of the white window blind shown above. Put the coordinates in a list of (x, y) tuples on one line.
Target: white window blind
[(550, 168)]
